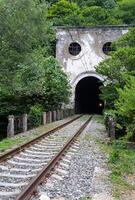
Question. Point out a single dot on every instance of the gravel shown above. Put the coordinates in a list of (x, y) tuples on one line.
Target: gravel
[(87, 175), (23, 162)]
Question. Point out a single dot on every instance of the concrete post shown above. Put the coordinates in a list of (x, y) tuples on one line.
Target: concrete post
[(112, 128), (25, 117), (54, 116), (69, 112), (58, 115), (72, 111), (10, 128), (64, 112), (50, 116), (44, 118), (61, 114)]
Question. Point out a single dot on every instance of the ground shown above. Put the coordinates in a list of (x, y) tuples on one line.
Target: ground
[(90, 174), (87, 175)]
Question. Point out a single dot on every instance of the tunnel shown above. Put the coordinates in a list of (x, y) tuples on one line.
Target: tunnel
[(87, 96)]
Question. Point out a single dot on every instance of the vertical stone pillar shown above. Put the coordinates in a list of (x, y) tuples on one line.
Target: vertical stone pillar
[(54, 116), (57, 114), (10, 128), (50, 116), (112, 128), (69, 112), (73, 111), (25, 127), (61, 114), (44, 118), (64, 113)]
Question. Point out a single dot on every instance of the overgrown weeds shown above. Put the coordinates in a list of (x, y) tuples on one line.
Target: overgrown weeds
[(121, 162)]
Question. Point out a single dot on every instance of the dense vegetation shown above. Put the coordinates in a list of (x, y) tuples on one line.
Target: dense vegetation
[(91, 12), (31, 78), (119, 93)]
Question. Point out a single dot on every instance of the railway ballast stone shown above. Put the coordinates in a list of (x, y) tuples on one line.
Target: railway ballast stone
[(88, 172), (44, 197)]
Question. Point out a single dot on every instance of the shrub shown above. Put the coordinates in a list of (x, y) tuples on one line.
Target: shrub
[(108, 114), (35, 115)]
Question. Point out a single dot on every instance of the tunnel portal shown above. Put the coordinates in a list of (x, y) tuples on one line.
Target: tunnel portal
[(87, 100)]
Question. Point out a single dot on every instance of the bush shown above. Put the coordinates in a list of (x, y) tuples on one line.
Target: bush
[(108, 114), (35, 115)]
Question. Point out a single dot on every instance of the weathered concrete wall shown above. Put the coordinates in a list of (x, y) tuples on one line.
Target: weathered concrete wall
[(91, 40)]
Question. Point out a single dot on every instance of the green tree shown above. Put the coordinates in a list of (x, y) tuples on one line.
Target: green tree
[(126, 11), (28, 75), (96, 15), (105, 4), (65, 13), (23, 28), (125, 103), (121, 61), (119, 71)]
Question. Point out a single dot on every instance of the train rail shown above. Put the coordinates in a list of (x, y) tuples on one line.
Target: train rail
[(31, 142), (21, 174)]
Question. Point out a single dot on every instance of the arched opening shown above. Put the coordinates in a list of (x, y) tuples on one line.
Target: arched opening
[(87, 96)]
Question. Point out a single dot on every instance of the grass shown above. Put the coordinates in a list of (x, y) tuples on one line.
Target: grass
[(84, 117), (121, 162), (87, 137), (9, 143), (99, 118)]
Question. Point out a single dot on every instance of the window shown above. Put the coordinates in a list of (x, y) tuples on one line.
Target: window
[(74, 48), (107, 48)]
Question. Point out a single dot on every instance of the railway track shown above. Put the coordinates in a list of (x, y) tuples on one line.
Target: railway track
[(32, 162)]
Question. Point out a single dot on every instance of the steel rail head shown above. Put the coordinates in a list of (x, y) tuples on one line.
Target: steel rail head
[(23, 146), (27, 192)]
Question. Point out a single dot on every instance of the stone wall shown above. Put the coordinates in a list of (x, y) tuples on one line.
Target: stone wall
[(91, 40)]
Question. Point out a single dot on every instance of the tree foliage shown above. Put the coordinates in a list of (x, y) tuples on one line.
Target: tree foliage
[(91, 12), (65, 13), (119, 71), (126, 101), (29, 74)]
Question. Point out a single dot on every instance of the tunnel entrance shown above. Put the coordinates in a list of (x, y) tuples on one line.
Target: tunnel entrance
[(87, 100)]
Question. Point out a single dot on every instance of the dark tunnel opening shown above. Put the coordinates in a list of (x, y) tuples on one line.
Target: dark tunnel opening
[(87, 96)]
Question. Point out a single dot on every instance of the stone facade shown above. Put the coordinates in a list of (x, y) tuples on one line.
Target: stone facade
[(91, 40)]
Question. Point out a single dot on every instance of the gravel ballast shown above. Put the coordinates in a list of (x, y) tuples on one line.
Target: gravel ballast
[(87, 174)]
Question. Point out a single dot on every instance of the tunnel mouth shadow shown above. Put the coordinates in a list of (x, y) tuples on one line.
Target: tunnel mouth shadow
[(87, 96)]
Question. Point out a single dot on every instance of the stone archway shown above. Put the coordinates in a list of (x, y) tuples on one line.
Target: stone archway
[(86, 93)]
